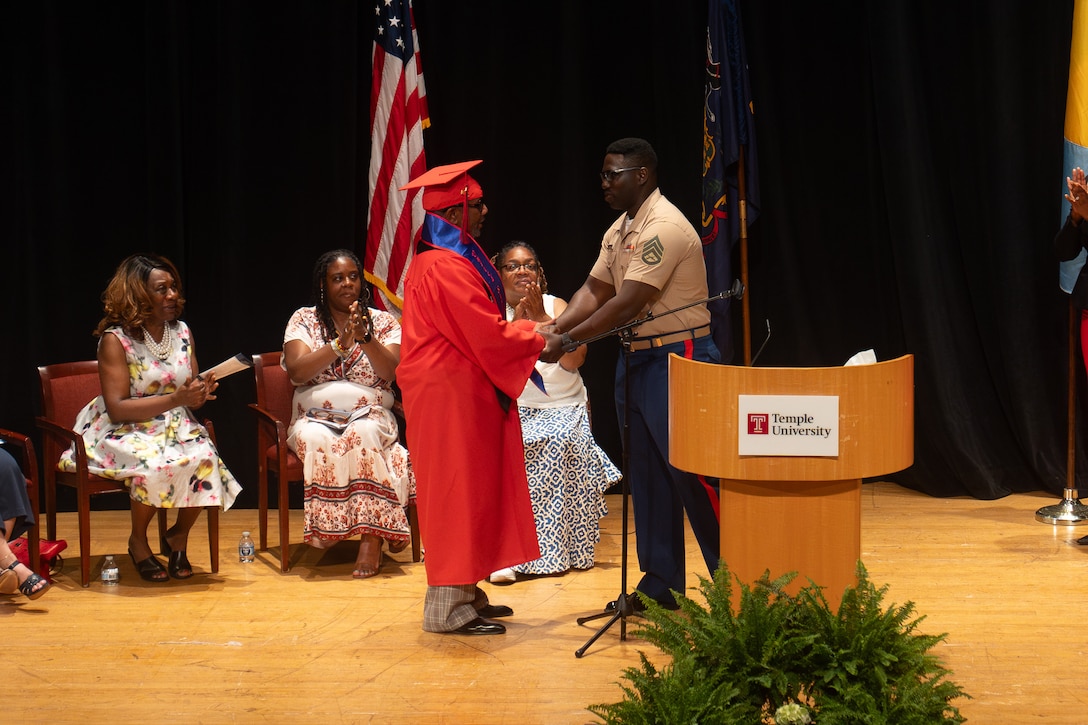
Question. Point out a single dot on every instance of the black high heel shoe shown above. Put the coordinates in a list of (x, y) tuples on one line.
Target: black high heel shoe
[(178, 561), (149, 568), (29, 588)]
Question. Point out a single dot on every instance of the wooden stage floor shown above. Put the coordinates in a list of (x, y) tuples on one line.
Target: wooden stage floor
[(252, 645)]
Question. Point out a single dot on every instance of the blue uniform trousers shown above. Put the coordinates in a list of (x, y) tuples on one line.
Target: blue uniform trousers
[(660, 493)]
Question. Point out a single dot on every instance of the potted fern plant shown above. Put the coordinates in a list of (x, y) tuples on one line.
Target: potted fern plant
[(786, 659)]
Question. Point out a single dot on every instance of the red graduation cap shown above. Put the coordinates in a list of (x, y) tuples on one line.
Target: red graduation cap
[(446, 186)]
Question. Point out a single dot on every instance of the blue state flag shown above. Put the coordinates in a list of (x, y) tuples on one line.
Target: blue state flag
[(728, 137)]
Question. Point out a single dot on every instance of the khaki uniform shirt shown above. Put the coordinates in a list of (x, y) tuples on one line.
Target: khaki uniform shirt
[(662, 249)]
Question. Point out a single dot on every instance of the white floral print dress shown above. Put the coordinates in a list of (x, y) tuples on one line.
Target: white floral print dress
[(168, 461)]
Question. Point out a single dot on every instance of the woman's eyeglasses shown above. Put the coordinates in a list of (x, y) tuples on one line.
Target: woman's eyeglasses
[(512, 267)]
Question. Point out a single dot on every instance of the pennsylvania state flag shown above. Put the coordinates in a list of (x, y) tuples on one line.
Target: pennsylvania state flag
[(728, 129)]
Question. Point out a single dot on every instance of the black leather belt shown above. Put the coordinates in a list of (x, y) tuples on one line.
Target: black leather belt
[(661, 340)]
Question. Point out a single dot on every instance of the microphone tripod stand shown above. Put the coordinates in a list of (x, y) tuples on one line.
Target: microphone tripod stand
[(625, 603)]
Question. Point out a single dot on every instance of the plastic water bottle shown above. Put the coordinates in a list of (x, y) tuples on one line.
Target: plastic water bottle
[(110, 573), (245, 548)]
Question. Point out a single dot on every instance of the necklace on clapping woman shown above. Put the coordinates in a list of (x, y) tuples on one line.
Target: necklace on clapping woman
[(161, 350)]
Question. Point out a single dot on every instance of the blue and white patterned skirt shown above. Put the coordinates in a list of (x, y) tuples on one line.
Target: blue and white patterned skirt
[(568, 475)]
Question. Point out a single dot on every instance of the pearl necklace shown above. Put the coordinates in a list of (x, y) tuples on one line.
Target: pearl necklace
[(161, 350)]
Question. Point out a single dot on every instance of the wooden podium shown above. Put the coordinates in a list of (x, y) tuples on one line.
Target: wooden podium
[(792, 513)]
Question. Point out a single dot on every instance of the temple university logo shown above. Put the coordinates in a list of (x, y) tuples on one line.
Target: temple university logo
[(757, 424)]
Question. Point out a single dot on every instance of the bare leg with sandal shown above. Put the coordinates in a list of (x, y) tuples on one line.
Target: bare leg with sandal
[(16, 576), (369, 560), (173, 545), (147, 566), (18, 516), (368, 563)]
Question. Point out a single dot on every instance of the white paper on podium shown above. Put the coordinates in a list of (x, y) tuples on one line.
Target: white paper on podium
[(865, 357)]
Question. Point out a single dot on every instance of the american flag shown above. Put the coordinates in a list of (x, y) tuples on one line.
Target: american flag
[(398, 115)]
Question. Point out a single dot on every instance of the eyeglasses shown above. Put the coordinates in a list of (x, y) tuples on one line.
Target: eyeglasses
[(476, 203), (512, 267), (607, 176)]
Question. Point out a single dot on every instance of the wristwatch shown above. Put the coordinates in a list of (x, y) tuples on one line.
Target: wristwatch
[(567, 344)]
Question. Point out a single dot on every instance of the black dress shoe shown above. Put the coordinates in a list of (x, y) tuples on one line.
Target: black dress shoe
[(1083, 541), (480, 626), (491, 611), (636, 605)]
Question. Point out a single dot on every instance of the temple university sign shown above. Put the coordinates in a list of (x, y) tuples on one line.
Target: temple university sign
[(788, 425)]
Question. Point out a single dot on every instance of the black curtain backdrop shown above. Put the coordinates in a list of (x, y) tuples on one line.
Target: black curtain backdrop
[(910, 165)]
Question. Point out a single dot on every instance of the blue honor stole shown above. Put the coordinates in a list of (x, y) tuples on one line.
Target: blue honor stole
[(440, 234)]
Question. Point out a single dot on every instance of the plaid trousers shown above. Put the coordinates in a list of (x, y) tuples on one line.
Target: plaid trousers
[(447, 608)]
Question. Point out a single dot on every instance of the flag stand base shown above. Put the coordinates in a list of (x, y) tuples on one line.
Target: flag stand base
[(1069, 511)]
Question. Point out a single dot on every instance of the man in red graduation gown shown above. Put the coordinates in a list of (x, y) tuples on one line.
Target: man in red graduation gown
[(462, 368)]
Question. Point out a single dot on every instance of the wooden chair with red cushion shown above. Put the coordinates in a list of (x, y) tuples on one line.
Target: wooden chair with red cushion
[(273, 413), (65, 389)]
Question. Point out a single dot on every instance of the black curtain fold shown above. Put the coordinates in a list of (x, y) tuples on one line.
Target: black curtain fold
[(910, 166)]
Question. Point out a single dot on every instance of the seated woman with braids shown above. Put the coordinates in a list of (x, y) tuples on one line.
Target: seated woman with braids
[(342, 355), (568, 472)]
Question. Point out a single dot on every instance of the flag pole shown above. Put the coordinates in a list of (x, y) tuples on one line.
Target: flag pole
[(742, 205), (1071, 406), (1070, 510)]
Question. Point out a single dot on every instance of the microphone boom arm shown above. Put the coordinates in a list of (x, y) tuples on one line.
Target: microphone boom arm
[(736, 291)]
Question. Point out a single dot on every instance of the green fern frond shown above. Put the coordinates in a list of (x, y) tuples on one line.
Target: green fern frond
[(735, 662)]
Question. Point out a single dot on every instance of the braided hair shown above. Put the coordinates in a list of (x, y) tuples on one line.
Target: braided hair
[(318, 293)]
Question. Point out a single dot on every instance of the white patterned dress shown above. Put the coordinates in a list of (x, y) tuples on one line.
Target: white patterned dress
[(168, 461), (358, 481), (568, 472)]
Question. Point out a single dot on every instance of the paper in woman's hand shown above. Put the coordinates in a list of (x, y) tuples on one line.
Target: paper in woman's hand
[(229, 366)]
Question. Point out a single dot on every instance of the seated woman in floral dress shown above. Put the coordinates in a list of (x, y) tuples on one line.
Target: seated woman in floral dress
[(141, 429), (342, 355)]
